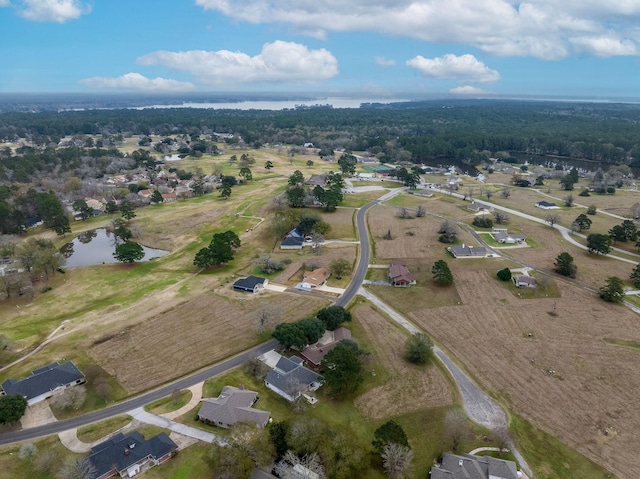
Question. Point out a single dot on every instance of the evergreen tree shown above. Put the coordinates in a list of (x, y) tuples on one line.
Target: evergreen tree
[(441, 273)]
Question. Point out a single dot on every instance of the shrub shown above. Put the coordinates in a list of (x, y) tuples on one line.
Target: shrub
[(482, 222), (504, 274)]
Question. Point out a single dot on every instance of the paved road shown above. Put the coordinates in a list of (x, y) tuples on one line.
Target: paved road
[(125, 406)]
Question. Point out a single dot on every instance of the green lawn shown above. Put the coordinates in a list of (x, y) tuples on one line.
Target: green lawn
[(98, 430), (168, 404)]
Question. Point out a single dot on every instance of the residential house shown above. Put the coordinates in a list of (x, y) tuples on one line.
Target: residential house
[(169, 197), (507, 238), (250, 284), (317, 180), (315, 278), (524, 281), (45, 382), (399, 274), (464, 251), (315, 353), (290, 379), (231, 406), (294, 239), (145, 193), (479, 207), (466, 466), (545, 205), (127, 456)]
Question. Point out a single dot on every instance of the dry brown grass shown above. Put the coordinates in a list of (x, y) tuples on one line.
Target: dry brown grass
[(594, 385), (328, 253), (188, 336), (411, 388)]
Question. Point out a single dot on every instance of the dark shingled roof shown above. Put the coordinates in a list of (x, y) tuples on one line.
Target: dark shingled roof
[(248, 283), (44, 379), (290, 375), (466, 466), (122, 452)]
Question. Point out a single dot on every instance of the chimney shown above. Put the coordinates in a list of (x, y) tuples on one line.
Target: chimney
[(126, 452)]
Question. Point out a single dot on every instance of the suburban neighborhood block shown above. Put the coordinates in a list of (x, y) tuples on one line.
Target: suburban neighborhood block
[(231, 406)]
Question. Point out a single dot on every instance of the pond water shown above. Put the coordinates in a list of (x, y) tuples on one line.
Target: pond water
[(97, 247)]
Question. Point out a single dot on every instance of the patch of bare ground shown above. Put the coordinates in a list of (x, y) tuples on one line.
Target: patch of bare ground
[(328, 253), (411, 238), (411, 388), (189, 336), (556, 371)]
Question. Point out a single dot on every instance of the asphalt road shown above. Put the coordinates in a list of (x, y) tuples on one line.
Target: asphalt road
[(128, 405)]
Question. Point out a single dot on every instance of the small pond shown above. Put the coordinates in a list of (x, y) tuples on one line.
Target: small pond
[(97, 247)]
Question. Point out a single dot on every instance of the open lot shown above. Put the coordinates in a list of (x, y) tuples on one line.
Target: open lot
[(558, 372)]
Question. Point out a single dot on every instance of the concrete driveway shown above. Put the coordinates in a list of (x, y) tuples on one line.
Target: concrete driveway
[(37, 415)]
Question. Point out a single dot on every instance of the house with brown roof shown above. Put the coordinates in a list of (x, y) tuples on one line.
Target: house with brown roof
[(315, 278), (315, 353), (231, 406), (399, 274)]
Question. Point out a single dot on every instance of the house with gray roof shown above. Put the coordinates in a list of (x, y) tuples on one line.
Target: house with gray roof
[(45, 381), (250, 284), (508, 238), (294, 239), (127, 456), (524, 281), (466, 466), (546, 205), (465, 251), (231, 406), (290, 378), (477, 207)]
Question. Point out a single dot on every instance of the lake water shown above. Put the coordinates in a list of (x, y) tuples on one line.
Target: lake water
[(97, 247), (335, 102)]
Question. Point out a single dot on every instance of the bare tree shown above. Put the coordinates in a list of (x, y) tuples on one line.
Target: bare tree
[(635, 210), (387, 235), (489, 194), (70, 398), (306, 467), (470, 192), (256, 368), (317, 239), (397, 460), (506, 192), (176, 396), (421, 211), (455, 428), (552, 218), (46, 460), (28, 451), (79, 469), (501, 439), (404, 213), (266, 318), (568, 200), (500, 217), (104, 391)]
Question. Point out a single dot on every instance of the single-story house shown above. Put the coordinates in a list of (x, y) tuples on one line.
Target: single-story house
[(127, 456), (545, 205), (169, 197), (317, 180), (145, 193), (294, 239), (250, 284), (315, 353), (316, 278), (231, 406), (45, 381), (465, 466), (479, 207), (399, 274), (290, 378), (507, 238), (524, 281), (464, 251)]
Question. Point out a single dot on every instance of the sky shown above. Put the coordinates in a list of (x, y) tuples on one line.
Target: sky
[(544, 48)]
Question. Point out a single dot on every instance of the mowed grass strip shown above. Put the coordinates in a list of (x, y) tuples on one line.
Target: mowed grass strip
[(169, 404), (98, 430)]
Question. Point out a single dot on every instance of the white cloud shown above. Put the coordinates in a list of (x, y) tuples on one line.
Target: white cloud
[(605, 46), (463, 67), (277, 62), (538, 28), (467, 90), (4, 3), (136, 82), (385, 62), (58, 11)]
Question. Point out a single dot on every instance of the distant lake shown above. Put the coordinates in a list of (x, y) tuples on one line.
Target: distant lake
[(97, 247), (335, 102)]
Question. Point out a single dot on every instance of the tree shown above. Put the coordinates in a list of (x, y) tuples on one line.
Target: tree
[(111, 207), (591, 210), (482, 222), (613, 290), (225, 190), (309, 163), (418, 349), (70, 398), (129, 252), (290, 335), (455, 428), (448, 232), (219, 250), (333, 317), (617, 233), (568, 200), (396, 460), (505, 192), (404, 213), (347, 163), (342, 369), (296, 196), (598, 243), (552, 219), (500, 217), (12, 408), (583, 222), (340, 267), (567, 182), (245, 172), (121, 229), (78, 469), (278, 432), (230, 462), (421, 211), (127, 210), (296, 179), (28, 451), (390, 431), (268, 165), (564, 265), (635, 276), (197, 187), (156, 197), (441, 273), (83, 208), (504, 274)]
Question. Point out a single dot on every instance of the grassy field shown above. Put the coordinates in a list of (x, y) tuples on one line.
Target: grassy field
[(169, 404), (98, 430)]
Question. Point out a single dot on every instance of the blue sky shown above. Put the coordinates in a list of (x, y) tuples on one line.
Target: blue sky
[(577, 48)]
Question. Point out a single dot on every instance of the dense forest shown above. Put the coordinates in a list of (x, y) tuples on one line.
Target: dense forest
[(417, 131)]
